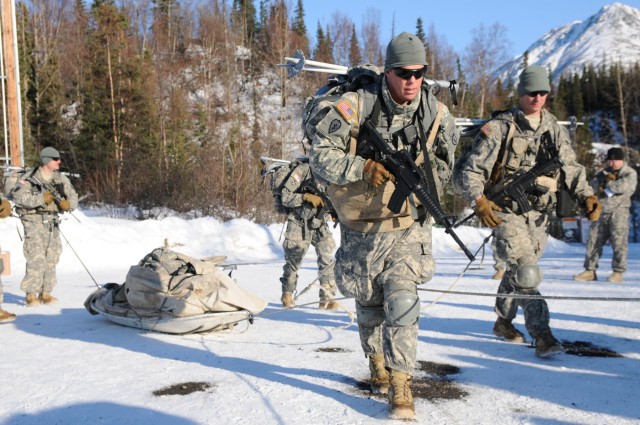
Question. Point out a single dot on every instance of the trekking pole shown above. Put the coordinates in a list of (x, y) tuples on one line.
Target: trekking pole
[(78, 257)]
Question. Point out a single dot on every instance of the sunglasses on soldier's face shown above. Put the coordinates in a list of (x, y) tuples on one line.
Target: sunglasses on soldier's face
[(406, 74), (541, 93)]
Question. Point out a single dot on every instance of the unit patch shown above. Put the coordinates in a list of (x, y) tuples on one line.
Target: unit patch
[(334, 126)]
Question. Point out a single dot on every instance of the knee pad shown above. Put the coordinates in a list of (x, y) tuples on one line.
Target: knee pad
[(528, 276), (369, 316), (402, 308)]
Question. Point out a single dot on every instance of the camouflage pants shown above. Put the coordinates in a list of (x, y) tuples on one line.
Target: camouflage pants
[(373, 267), (298, 238), (42, 249), (498, 263), (613, 227), (520, 240)]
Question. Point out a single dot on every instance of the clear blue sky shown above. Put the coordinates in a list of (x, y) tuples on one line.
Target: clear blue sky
[(454, 19)]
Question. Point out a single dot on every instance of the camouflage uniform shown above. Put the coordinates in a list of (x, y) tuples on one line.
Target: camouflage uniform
[(521, 238), (42, 247), (498, 263), (613, 224), (305, 229), (383, 256)]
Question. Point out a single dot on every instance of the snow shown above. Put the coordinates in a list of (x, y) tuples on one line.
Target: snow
[(61, 365)]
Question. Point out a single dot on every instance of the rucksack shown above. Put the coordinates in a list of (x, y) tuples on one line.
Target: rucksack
[(280, 174), (465, 143), (11, 178), (318, 105)]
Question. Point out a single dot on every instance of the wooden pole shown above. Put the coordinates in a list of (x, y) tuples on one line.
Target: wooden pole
[(13, 83)]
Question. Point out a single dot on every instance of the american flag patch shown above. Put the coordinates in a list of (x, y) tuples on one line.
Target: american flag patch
[(487, 129), (345, 110)]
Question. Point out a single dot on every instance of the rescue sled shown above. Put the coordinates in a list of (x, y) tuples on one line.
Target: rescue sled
[(172, 293)]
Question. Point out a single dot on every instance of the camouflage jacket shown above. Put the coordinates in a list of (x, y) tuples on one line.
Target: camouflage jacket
[(522, 153), (337, 156), (28, 193), (615, 194)]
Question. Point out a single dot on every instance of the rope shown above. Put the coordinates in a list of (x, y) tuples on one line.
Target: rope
[(455, 282), (79, 259), (530, 297)]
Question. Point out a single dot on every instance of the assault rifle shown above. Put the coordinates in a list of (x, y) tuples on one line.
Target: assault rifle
[(516, 187), (409, 179), (310, 186)]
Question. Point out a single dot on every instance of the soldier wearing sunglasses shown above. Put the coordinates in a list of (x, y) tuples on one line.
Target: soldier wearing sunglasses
[(512, 142), (40, 196), (383, 256)]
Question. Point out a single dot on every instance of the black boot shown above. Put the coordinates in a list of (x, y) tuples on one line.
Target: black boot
[(547, 345)]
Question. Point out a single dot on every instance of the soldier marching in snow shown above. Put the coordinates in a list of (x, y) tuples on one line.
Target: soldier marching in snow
[(302, 197), (384, 255), (522, 235), (40, 196), (614, 186)]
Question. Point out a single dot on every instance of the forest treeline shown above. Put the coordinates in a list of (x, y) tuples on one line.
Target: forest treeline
[(167, 103)]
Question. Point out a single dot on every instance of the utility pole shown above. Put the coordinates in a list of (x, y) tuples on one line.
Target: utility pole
[(11, 81)]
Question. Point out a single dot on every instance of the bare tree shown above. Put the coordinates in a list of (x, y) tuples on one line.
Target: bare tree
[(486, 51), (340, 28), (371, 35)]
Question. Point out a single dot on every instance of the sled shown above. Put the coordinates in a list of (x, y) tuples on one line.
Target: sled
[(200, 323)]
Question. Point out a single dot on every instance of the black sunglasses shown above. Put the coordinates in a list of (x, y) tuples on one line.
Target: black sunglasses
[(55, 159), (406, 74), (541, 93)]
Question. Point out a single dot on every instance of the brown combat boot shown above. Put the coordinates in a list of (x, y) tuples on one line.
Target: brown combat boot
[(586, 276), (547, 345), (47, 298), (287, 300), (5, 316), (616, 277), (379, 375), (498, 274), (326, 298), (32, 300), (400, 398), (505, 329)]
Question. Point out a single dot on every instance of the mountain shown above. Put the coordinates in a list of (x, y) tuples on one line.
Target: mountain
[(612, 35)]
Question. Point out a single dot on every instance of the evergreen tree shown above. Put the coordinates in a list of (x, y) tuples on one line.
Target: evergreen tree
[(299, 39), (243, 13), (355, 56), (420, 30)]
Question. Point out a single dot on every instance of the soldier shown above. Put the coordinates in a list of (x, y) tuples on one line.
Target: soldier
[(5, 211), (384, 256), (614, 185), (40, 196), (306, 226), (522, 236)]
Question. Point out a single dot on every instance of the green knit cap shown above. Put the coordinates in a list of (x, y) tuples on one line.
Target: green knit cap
[(47, 154), (405, 49), (533, 78)]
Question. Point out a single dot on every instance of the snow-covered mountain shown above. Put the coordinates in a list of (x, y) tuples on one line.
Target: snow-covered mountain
[(610, 36)]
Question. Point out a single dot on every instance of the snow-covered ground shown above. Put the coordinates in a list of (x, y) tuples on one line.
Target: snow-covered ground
[(61, 365)]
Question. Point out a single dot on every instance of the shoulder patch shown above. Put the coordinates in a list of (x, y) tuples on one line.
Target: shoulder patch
[(487, 130), (345, 109), (334, 126)]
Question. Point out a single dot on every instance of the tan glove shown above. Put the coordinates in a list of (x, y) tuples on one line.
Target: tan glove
[(611, 176), (592, 208), (48, 197), (64, 205), (5, 208), (375, 174), (485, 209), (314, 200)]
